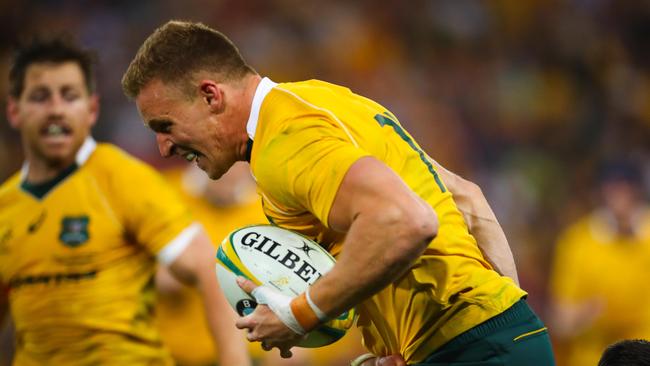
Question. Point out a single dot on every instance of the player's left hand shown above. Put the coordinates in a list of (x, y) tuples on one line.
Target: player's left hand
[(265, 326)]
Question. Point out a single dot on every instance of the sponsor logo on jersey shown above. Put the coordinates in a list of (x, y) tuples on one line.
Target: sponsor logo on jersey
[(74, 231)]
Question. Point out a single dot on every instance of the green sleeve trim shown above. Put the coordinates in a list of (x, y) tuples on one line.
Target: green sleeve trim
[(41, 189)]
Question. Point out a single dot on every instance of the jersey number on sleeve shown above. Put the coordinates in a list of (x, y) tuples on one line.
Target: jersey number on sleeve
[(384, 120)]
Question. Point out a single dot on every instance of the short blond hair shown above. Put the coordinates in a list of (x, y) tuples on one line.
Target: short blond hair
[(174, 52)]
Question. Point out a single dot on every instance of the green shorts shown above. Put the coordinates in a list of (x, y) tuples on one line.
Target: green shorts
[(515, 337)]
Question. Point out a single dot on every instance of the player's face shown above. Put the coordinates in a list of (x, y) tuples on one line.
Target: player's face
[(188, 128), (54, 113), (621, 197)]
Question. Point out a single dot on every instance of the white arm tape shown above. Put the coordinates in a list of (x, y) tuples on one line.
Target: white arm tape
[(280, 304), (174, 248), (320, 314)]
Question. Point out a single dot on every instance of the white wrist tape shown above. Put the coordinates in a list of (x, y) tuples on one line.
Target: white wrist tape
[(361, 359), (280, 304), (319, 313)]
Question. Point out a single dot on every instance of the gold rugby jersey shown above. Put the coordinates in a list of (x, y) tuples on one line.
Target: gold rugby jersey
[(78, 255), (305, 137), (594, 264)]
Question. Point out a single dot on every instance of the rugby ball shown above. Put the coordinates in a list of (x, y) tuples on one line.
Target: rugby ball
[(283, 260)]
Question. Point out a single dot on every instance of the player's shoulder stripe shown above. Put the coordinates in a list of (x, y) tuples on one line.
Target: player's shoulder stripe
[(318, 108)]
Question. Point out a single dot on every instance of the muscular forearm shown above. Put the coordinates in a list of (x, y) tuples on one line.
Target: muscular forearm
[(482, 223), (232, 348), (375, 253), (494, 246), (195, 267)]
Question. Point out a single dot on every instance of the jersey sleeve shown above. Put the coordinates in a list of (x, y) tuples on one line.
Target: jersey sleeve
[(152, 212), (303, 167)]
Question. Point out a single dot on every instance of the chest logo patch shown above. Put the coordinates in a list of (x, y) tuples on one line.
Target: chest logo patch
[(74, 230)]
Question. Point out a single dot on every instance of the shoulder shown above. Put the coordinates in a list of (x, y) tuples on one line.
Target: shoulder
[(313, 86), (108, 157), (577, 227), (9, 187), (121, 174), (304, 97), (577, 234), (110, 154)]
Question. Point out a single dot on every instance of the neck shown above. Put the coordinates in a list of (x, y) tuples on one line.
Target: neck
[(627, 223), (41, 170), (249, 86)]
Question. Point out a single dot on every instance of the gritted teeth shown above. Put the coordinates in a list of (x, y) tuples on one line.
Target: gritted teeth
[(55, 129), (190, 156)]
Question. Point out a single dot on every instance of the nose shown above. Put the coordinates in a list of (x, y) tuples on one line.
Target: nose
[(165, 145), (57, 106)]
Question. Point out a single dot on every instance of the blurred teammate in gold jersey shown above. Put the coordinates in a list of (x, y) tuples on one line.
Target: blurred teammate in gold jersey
[(340, 169), (221, 206), (599, 280), (82, 227)]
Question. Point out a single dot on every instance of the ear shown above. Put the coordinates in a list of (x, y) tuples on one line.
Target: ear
[(94, 108), (12, 112), (212, 94)]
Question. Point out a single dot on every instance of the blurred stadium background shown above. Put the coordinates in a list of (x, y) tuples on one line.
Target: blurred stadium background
[(524, 97)]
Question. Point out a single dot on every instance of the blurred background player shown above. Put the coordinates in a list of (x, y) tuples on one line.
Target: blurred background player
[(83, 225), (599, 282), (221, 206)]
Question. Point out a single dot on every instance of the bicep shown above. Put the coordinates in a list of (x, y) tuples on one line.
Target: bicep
[(302, 171), (371, 188)]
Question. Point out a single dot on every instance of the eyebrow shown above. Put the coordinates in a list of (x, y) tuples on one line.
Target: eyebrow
[(45, 87), (159, 125)]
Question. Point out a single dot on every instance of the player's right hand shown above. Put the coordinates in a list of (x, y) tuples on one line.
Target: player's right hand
[(264, 324)]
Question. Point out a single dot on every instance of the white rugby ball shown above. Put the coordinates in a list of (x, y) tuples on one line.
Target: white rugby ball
[(281, 259)]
